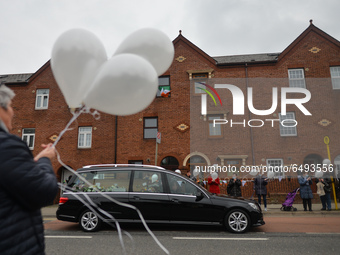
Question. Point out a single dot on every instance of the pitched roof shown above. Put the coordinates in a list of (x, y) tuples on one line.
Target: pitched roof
[(181, 38), (14, 78), (241, 59), (308, 30)]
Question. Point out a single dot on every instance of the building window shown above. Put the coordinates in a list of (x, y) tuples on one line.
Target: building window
[(335, 75), (28, 136), (217, 130), (170, 163), (275, 165), (85, 137), (135, 162), (164, 89), (150, 127), (337, 166), (41, 101), (296, 78), (289, 124), (147, 181), (199, 78)]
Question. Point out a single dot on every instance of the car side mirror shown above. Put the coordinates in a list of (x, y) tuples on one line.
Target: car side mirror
[(199, 196)]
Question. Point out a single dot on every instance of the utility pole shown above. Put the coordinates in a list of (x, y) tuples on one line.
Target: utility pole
[(158, 141)]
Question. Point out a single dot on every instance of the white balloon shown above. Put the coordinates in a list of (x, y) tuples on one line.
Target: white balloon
[(214, 176), (151, 44), (318, 174), (325, 164), (253, 172), (270, 174), (76, 57), (125, 84), (326, 161), (196, 172)]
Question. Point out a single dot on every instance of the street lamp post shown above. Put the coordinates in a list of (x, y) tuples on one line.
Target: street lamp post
[(326, 141)]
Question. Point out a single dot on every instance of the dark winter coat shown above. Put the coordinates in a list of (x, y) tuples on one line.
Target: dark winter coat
[(305, 189), (260, 185), (328, 184), (234, 188), (25, 187)]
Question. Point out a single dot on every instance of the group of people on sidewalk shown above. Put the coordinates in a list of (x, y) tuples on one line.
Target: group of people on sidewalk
[(234, 186), (260, 189), (323, 190)]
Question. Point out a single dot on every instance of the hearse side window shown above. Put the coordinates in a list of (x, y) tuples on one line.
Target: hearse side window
[(105, 181), (180, 186), (147, 181)]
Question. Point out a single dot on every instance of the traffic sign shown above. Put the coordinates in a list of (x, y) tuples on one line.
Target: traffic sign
[(158, 138)]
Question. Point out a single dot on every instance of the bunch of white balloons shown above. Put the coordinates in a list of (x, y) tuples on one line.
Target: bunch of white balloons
[(123, 85)]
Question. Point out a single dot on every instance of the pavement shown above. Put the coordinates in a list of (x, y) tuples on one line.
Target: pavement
[(49, 212)]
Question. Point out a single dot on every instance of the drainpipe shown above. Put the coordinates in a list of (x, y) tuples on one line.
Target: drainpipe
[(249, 114), (116, 135)]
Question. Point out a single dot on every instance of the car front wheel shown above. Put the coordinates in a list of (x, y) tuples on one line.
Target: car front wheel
[(89, 221), (237, 221)]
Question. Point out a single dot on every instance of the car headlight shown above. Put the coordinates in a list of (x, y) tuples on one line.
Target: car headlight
[(254, 206)]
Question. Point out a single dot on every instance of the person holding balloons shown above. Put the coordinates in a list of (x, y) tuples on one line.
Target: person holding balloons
[(196, 178), (234, 187), (214, 183), (306, 193), (27, 184)]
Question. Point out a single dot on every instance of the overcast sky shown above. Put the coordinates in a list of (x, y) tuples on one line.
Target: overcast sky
[(29, 28)]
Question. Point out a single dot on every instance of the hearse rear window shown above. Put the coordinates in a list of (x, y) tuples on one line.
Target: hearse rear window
[(105, 181), (147, 181)]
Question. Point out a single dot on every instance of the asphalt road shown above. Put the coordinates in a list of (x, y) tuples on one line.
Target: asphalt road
[(280, 235)]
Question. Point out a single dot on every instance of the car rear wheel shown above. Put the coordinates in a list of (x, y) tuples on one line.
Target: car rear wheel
[(89, 221), (237, 221)]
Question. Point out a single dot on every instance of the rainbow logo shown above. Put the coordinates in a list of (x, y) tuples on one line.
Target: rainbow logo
[(209, 93)]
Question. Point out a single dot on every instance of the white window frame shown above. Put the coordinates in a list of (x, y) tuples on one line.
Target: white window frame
[(288, 131), (163, 82), (297, 78), (275, 162), (40, 97), (337, 166), (217, 130), (83, 141), (29, 138), (198, 78), (148, 127), (335, 75)]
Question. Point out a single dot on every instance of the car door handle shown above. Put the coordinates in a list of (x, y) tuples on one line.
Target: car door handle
[(175, 200), (136, 198)]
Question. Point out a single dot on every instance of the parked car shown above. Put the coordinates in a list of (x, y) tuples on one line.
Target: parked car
[(162, 196)]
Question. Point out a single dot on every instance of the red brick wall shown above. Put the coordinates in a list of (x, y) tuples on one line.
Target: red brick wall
[(53, 120), (175, 110)]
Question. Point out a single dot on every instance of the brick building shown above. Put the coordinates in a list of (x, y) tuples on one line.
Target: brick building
[(188, 138)]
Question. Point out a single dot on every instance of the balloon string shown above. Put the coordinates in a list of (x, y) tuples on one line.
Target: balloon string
[(109, 215), (83, 109)]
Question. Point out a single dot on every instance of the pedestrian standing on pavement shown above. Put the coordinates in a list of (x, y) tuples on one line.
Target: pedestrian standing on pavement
[(234, 187), (27, 184), (305, 190), (260, 186), (325, 184), (214, 183), (321, 192)]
